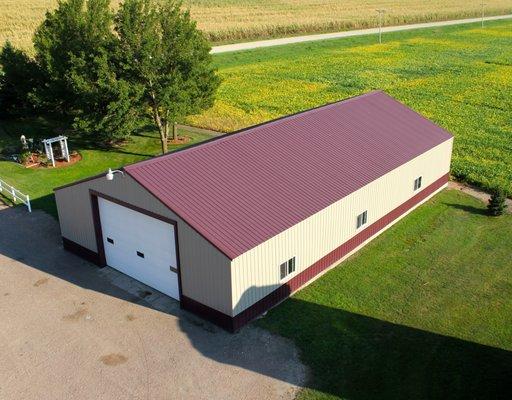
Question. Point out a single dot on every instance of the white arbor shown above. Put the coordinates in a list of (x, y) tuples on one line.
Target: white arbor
[(48, 148)]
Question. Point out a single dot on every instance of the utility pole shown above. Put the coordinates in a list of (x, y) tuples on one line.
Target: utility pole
[(483, 13), (381, 13)]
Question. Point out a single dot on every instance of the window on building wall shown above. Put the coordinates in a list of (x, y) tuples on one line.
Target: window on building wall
[(362, 219), (287, 268), (284, 270), (417, 183), (291, 265)]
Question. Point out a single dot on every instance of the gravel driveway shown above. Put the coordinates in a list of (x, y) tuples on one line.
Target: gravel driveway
[(70, 330)]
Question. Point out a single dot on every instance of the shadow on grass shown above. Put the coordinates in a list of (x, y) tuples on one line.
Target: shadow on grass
[(469, 209), (50, 126), (356, 357), (91, 143), (143, 133), (45, 203), (131, 153)]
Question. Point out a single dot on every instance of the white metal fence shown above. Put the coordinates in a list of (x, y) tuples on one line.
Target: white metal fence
[(14, 194)]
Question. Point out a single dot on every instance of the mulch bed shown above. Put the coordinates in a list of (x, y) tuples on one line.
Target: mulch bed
[(180, 140), (36, 163)]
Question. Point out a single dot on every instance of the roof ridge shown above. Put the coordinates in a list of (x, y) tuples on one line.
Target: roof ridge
[(236, 199), (242, 132)]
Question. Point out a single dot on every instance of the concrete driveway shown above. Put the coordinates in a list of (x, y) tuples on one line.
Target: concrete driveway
[(70, 330)]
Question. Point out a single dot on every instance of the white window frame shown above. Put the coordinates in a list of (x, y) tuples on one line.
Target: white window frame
[(364, 218), (286, 264)]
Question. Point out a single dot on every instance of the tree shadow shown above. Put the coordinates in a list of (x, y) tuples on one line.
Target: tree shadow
[(47, 126), (45, 203), (469, 209), (359, 357), (131, 153), (89, 143)]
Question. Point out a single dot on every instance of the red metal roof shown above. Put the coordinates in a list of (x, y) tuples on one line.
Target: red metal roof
[(244, 188)]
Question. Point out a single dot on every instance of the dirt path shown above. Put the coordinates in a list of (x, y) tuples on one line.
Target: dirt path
[(477, 193), (338, 35)]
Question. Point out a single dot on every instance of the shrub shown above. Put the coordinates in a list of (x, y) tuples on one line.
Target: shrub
[(43, 160), (24, 156), (10, 150), (497, 203)]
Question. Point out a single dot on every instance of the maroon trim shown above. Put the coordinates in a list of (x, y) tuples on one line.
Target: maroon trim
[(305, 276), (178, 259), (133, 207), (99, 233), (218, 318), (81, 251)]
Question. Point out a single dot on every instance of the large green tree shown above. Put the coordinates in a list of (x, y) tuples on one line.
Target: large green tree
[(75, 48), (109, 71), (162, 52), (106, 104), (66, 44), (19, 76)]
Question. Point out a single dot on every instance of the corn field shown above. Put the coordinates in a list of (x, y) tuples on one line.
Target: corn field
[(238, 20)]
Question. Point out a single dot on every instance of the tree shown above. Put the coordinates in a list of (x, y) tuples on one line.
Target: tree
[(497, 202), (18, 78), (163, 53), (106, 105), (75, 48), (108, 71), (66, 45)]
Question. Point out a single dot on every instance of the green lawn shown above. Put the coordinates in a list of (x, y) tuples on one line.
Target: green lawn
[(422, 312), (460, 77), (39, 183)]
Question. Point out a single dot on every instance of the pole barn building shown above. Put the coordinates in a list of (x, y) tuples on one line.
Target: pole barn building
[(232, 226)]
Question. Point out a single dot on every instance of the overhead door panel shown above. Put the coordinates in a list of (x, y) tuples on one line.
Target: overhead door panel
[(140, 246)]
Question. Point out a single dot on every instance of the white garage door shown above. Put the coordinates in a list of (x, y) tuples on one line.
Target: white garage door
[(140, 246)]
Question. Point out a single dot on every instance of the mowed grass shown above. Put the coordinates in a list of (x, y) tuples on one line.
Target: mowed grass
[(39, 183), (460, 77), (235, 20), (422, 312)]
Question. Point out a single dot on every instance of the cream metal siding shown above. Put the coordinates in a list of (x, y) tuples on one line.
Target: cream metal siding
[(255, 273), (205, 271)]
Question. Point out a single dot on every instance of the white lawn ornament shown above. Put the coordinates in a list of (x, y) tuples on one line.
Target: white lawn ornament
[(23, 141)]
